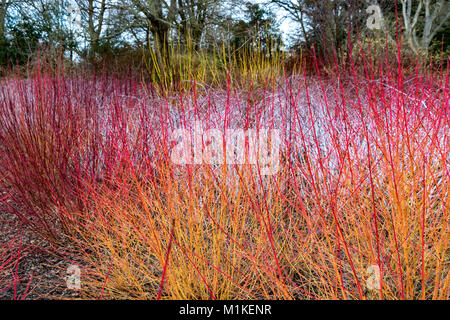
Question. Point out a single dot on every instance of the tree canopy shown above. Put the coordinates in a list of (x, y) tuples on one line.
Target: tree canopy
[(90, 30)]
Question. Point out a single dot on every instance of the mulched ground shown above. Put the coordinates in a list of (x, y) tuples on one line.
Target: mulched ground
[(40, 272)]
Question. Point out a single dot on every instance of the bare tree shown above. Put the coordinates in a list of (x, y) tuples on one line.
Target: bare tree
[(324, 22), (4, 5), (297, 11), (160, 16), (194, 15), (93, 16), (422, 20), (8, 6), (435, 15)]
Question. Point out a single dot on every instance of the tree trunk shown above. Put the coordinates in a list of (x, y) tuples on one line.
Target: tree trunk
[(3, 10)]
